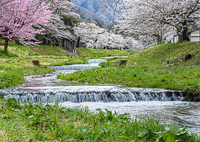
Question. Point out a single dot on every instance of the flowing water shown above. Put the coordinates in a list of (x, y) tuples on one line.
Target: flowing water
[(166, 105)]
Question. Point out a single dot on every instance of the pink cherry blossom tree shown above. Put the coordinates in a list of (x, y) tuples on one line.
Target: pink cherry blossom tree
[(5, 2), (22, 20)]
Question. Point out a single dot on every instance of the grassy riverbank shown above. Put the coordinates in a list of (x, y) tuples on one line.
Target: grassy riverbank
[(148, 68), (17, 62), (38, 122)]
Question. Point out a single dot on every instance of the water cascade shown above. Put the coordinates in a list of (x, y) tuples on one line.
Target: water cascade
[(77, 94)]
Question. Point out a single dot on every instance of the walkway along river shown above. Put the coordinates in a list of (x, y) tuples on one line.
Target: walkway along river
[(166, 105)]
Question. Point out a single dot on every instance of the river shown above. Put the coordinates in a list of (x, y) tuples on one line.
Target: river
[(165, 105)]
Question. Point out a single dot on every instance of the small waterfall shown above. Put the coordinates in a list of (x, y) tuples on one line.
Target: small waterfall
[(114, 94)]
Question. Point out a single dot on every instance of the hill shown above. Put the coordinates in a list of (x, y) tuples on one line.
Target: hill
[(176, 53)]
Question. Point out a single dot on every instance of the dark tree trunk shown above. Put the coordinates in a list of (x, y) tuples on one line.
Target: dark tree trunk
[(95, 43), (44, 41), (48, 42), (78, 42), (63, 42), (53, 43), (184, 36), (180, 38), (6, 45), (159, 39), (70, 45)]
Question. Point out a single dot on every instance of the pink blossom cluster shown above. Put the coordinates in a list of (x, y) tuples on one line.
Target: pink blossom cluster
[(23, 19)]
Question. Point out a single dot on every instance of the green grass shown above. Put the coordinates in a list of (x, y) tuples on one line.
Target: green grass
[(175, 52), (39, 122), (17, 62), (36, 50), (141, 76), (11, 76), (148, 68), (47, 50)]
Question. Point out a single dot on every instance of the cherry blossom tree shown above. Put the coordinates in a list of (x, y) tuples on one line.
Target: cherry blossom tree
[(96, 37), (148, 32), (111, 40), (22, 20), (5, 2), (57, 28), (88, 33), (140, 23), (172, 13), (153, 21), (132, 44)]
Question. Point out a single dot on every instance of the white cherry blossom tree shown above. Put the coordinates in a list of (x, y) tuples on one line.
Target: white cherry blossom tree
[(57, 28), (172, 13), (96, 37), (153, 21), (88, 33)]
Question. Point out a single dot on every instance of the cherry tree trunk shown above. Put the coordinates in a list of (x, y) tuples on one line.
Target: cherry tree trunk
[(78, 42), (159, 39), (184, 36), (44, 41), (63, 43), (6, 45), (180, 38)]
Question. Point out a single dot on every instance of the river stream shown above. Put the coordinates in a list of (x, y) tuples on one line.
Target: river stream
[(165, 105)]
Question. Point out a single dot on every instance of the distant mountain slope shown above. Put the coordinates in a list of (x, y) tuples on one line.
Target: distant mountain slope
[(88, 4), (88, 11), (89, 16)]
